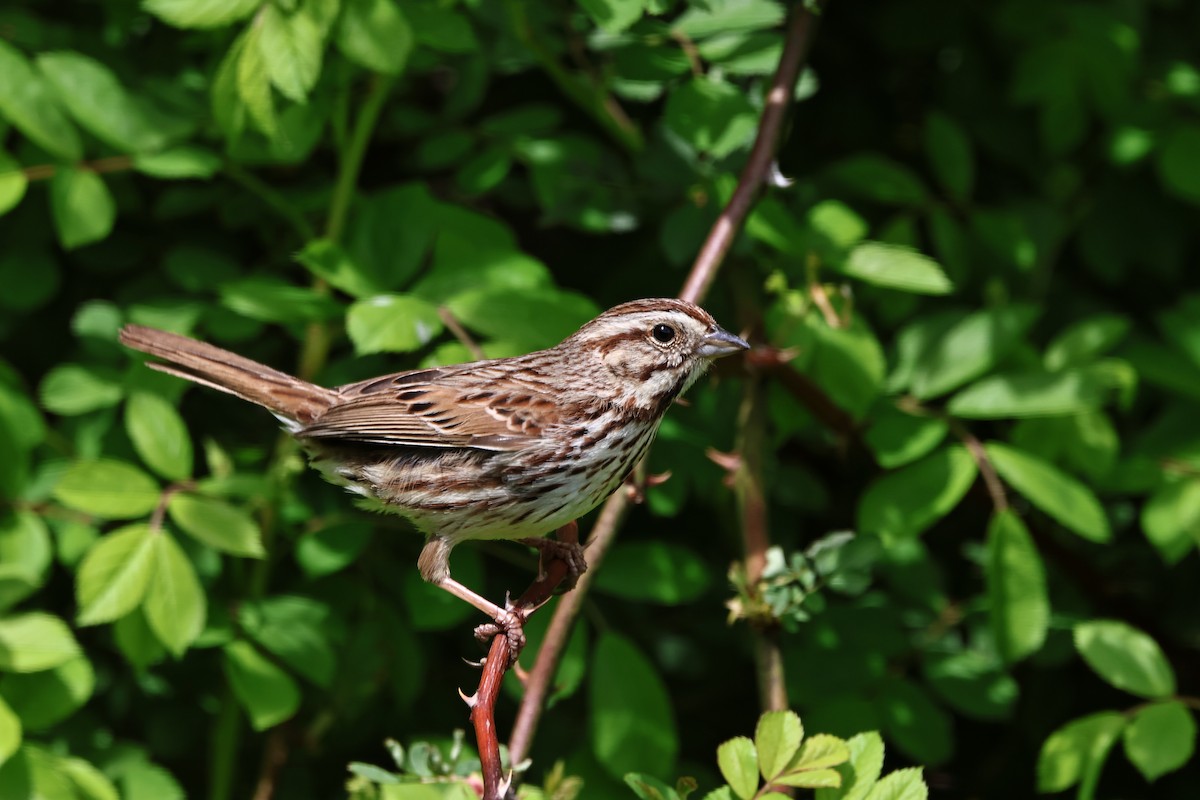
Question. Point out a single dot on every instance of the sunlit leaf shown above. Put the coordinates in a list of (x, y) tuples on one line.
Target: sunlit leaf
[(1075, 753), (905, 502), (631, 721), (375, 34), (1061, 496), (1125, 657), (115, 574), (175, 605), (1016, 582), (738, 763), (107, 488), (1160, 738), (216, 523), (35, 641), (268, 694), (159, 435)]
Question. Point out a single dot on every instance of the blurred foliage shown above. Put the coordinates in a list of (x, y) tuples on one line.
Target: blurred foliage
[(981, 326)]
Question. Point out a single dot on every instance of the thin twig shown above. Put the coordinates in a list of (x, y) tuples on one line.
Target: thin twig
[(275, 755), (694, 289), (991, 479), (460, 333), (762, 154)]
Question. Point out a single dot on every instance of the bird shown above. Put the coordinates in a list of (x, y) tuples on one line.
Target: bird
[(509, 448)]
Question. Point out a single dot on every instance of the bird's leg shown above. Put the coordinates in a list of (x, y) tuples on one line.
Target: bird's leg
[(434, 563)]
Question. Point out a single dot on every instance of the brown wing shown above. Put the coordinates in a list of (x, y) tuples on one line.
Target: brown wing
[(447, 407)]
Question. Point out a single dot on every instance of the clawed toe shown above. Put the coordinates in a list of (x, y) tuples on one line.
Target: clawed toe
[(512, 625)]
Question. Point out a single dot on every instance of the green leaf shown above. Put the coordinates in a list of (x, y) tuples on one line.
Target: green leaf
[(1034, 394), (175, 605), (969, 348), (848, 363), (903, 503), (776, 740), (1085, 341), (159, 435), (92, 95), (902, 784), (73, 389), (949, 152), (142, 780), (25, 555), (108, 489), (647, 787), (294, 629), (529, 318), (178, 163), (392, 323), (253, 82), (1016, 585), (201, 13), (1076, 752), (1062, 497), (138, 643), (332, 548), (712, 116), (898, 438), (658, 572), (973, 682), (918, 726), (10, 732), (375, 34), (1125, 657), (115, 574), (270, 299), (861, 772), (631, 721), (290, 46), (819, 753), (268, 694), (216, 524), (878, 178), (613, 16), (45, 698), (702, 20), (1171, 519), (35, 641), (334, 265), (738, 763), (89, 782), (27, 102), (1160, 738), (83, 208), (485, 170), (13, 182), (896, 267), (1179, 163)]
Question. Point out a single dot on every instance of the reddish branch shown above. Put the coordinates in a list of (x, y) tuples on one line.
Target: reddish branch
[(704, 270)]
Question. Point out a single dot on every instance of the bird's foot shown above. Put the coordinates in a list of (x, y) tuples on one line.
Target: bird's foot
[(511, 623), (569, 552)]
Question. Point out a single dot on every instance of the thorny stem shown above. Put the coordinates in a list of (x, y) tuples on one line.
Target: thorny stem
[(703, 272)]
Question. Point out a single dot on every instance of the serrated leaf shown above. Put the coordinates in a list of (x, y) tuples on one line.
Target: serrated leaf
[(896, 267), (82, 206), (217, 524), (376, 35), (1016, 583), (1160, 738), (107, 488), (253, 83), (201, 13), (902, 784), (159, 435), (268, 694), (738, 762), (1125, 657), (777, 739), (1075, 753), (100, 104), (290, 46), (114, 575), (905, 502), (862, 770), (1064, 498), (392, 323), (35, 641), (810, 779), (819, 752), (28, 103), (969, 348), (175, 604)]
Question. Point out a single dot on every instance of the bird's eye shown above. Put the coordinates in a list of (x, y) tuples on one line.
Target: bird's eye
[(663, 333)]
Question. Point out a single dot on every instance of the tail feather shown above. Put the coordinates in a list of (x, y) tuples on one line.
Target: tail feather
[(289, 398)]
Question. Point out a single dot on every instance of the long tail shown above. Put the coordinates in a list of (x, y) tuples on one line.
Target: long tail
[(293, 400)]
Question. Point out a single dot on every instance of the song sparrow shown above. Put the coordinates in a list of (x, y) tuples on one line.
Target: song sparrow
[(503, 449)]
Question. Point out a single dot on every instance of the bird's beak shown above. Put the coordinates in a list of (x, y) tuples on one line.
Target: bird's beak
[(721, 342)]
